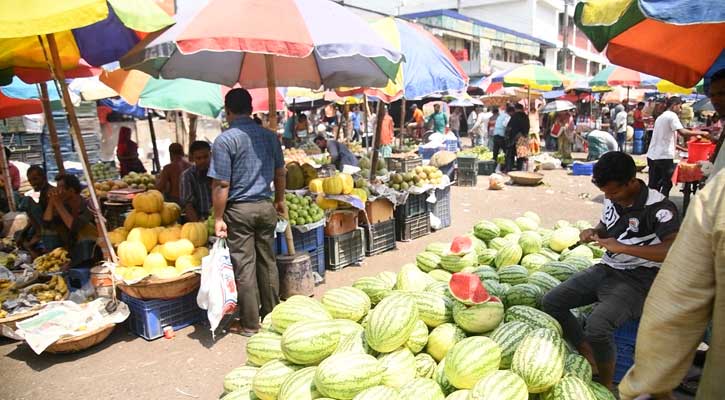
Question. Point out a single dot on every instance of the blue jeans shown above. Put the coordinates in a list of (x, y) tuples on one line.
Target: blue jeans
[(621, 140)]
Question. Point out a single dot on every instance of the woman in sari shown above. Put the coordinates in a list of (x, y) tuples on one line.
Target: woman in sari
[(127, 153)]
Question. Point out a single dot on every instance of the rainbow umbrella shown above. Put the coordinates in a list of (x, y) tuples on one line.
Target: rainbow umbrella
[(614, 75), (12, 107), (679, 40), (531, 76)]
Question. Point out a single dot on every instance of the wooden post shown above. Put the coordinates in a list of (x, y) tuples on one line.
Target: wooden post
[(193, 122), (376, 138), (366, 111), (59, 75), (402, 122), (52, 131), (152, 132), (6, 176)]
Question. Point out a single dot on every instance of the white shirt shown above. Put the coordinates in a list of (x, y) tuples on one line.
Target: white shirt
[(662, 146), (620, 121), (480, 128)]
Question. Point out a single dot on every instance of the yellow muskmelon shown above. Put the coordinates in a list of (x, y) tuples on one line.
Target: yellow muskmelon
[(348, 184), (150, 202), (200, 252), (173, 250), (148, 237), (316, 186), (170, 213), (154, 261), (333, 184), (185, 263), (326, 204), (170, 234), (132, 253), (196, 232)]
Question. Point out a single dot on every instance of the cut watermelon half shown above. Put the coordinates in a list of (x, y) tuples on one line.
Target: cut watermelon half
[(461, 245), (467, 289)]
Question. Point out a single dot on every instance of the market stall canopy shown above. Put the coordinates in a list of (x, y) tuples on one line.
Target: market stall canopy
[(225, 42), (429, 66), (11, 107), (703, 105), (678, 40), (615, 75), (20, 90), (533, 76), (620, 94), (558, 105), (38, 75)]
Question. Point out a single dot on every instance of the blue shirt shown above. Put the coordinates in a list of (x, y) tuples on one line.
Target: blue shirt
[(355, 118), (501, 122), (246, 155)]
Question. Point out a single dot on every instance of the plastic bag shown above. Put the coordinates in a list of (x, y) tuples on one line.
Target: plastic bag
[(495, 182), (218, 290)]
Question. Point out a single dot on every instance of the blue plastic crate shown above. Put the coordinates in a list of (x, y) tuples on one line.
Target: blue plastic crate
[(427, 153), (581, 168), (625, 338), (307, 241), (317, 258), (77, 277), (451, 145), (149, 317), (442, 207)]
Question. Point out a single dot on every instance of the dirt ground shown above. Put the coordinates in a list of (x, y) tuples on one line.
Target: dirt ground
[(192, 365)]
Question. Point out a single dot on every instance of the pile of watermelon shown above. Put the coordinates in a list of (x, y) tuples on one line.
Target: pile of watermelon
[(461, 323)]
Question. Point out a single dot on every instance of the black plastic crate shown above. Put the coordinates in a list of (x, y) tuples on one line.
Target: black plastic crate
[(486, 167), (149, 317), (403, 164), (344, 250), (415, 205), (379, 237), (442, 206), (467, 178), (304, 241), (468, 163), (413, 228)]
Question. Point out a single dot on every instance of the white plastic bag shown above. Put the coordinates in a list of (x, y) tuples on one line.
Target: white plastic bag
[(218, 290)]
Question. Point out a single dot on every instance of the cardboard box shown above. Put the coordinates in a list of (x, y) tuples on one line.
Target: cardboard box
[(340, 222), (380, 210)]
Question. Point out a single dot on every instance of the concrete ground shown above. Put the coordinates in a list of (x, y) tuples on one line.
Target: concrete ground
[(192, 365)]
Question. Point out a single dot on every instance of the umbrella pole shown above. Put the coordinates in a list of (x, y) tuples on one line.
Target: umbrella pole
[(59, 75), (6, 176), (365, 122), (402, 122), (52, 131), (376, 139), (152, 132)]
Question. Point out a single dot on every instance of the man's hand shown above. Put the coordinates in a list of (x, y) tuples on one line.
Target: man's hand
[(220, 228), (588, 235), (610, 244), (281, 208)]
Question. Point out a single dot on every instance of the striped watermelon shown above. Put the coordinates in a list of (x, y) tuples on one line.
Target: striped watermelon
[(539, 360), (438, 287), (524, 294), (267, 323), (309, 342), (498, 244), (440, 275), (513, 274), (582, 251), (487, 257), (299, 385), (459, 395), (600, 392), (442, 338), (347, 327), (373, 286), (354, 343), (398, 367), (530, 242), (577, 365), (264, 347), (478, 318), (569, 388), (486, 230), (578, 262), (559, 270), (486, 272), (391, 323), (268, 381), (543, 280), (534, 262), (506, 226), (421, 389), (533, 216), (508, 336), (433, 309), (494, 288), (297, 308), (377, 393), (425, 365), (439, 376), (427, 261), (470, 360), (241, 394), (410, 278), (454, 263), (500, 385), (549, 253), (527, 224), (391, 278), (513, 237), (418, 338), (239, 378), (342, 376), (533, 317), (346, 303), (438, 248), (597, 251)]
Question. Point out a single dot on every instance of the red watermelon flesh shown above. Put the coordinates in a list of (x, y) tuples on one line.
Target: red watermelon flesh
[(467, 289), (461, 245)]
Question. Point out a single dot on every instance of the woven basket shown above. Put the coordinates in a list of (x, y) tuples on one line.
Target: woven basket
[(73, 344), (153, 288), (526, 178), (12, 320)]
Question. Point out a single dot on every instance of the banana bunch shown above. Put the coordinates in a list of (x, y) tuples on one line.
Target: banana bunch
[(54, 290), (53, 261), (7, 290), (3, 313)]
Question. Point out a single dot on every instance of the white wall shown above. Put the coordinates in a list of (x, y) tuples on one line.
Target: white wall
[(546, 22), (515, 15)]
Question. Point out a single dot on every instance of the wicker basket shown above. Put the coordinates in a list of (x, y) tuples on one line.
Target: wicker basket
[(152, 288), (73, 344), (526, 178), (12, 320)]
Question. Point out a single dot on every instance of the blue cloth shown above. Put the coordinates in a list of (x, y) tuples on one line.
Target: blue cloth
[(120, 106), (246, 155), (684, 11), (355, 118), (501, 122), (341, 155)]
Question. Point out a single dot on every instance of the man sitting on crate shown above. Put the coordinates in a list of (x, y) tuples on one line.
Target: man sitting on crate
[(637, 227)]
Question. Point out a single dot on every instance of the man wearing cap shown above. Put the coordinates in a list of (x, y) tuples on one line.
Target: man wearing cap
[(661, 153)]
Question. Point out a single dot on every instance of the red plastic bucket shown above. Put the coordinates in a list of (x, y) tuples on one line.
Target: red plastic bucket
[(699, 151)]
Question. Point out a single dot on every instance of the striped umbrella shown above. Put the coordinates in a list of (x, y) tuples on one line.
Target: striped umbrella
[(679, 40), (614, 75), (531, 76)]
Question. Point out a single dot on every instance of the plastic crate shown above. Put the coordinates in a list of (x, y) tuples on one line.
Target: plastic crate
[(468, 163), (77, 277), (486, 167), (403, 164), (317, 259), (467, 178), (149, 317), (451, 145), (304, 241), (581, 168), (442, 207), (427, 153), (625, 338), (412, 228), (415, 205), (344, 250), (379, 237)]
